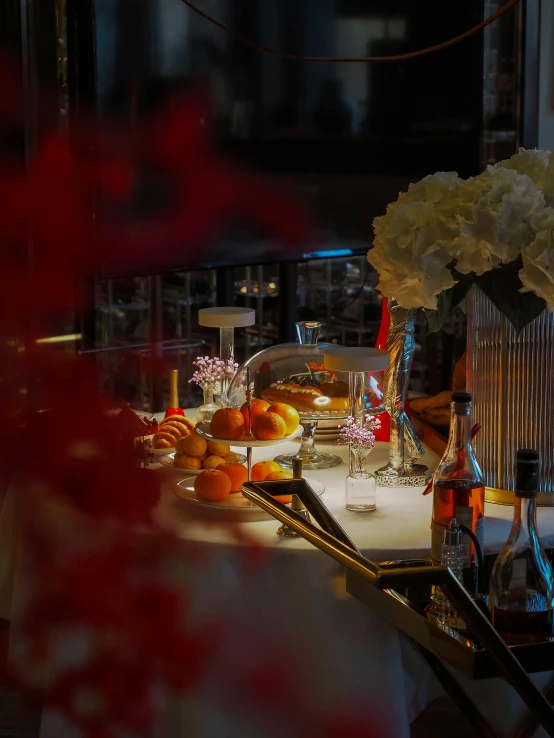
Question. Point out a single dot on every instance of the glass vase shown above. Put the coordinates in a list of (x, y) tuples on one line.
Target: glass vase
[(360, 486), (205, 412)]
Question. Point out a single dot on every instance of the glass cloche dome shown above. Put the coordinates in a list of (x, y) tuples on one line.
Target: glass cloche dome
[(294, 373)]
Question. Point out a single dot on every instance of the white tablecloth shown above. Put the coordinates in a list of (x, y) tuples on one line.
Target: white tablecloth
[(399, 528), (353, 657)]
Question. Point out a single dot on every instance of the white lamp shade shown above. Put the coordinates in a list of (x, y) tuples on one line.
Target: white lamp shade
[(356, 359), (226, 317)]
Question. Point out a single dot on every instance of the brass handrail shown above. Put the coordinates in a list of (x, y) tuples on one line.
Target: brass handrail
[(386, 579)]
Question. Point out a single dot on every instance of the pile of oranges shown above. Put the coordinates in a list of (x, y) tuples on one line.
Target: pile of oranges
[(217, 484), (267, 422)]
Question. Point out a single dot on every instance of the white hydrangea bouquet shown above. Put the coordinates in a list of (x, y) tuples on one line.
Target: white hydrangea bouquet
[(495, 231)]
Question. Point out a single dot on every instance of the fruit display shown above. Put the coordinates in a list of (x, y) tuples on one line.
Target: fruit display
[(217, 484), (171, 431), (295, 374), (227, 423), (210, 484), (271, 471), (267, 422), (193, 452)]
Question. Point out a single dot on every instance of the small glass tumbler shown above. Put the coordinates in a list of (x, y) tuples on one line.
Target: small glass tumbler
[(360, 485)]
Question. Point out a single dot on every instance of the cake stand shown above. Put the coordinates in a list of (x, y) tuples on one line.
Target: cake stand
[(249, 443), (308, 334)]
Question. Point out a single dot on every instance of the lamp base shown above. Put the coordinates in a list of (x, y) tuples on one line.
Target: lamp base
[(313, 461), (413, 475)]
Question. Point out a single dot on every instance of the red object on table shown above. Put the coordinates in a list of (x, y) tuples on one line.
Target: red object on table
[(383, 434), (383, 334), (174, 411)]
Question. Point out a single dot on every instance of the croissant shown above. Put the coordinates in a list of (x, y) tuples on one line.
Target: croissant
[(163, 440)]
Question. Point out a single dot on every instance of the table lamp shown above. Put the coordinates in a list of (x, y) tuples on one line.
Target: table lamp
[(226, 319)]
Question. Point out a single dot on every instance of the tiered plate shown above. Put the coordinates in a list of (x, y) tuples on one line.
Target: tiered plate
[(235, 507), (204, 431), (169, 459)]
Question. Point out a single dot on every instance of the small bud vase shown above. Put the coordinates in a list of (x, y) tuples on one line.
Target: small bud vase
[(360, 486), (205, 412)]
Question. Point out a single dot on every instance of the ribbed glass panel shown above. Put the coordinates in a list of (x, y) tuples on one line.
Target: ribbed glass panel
[(511, 379)]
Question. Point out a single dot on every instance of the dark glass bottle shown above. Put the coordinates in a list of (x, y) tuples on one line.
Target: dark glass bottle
[(458, 488), (522, 583)]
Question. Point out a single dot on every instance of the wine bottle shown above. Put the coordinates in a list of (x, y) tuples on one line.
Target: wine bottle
[(522, 582), (458, 489)]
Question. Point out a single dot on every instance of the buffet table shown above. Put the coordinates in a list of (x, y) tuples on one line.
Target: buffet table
[(399, 528), (350, 659)]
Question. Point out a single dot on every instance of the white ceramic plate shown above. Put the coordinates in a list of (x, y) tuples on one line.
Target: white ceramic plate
[(235, 507), (168, 461), (204, 430), (162, 451)]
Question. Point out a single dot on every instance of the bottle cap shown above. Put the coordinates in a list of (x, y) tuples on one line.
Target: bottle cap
[(461, 402), (527, 472), (453, 534)]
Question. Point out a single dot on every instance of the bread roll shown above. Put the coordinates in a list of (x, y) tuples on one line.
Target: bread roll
[(419, 404)]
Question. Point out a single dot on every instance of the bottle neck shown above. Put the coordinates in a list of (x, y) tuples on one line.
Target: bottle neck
[(460, 430), (525, 517)]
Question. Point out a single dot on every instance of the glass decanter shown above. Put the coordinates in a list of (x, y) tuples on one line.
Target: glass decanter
[(458, 488), (522, 582)]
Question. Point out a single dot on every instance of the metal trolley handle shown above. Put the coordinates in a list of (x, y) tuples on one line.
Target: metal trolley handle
[(379, 586)]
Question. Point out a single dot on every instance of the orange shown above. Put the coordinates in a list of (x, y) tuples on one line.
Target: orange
[(289, 415), (261, 469), (269, 426), (227, 424), (274, 476), (231, 457), (257, 407), (193, 445), (237, 473), (212, 485), (212, 462)]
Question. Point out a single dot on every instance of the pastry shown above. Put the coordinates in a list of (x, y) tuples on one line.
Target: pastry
[(181, 420), (334, 389), (218, 449), (182, 461), (180, 429), (304, 399), (213, 462), (419, 404), (172, 430), (163, 440)]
